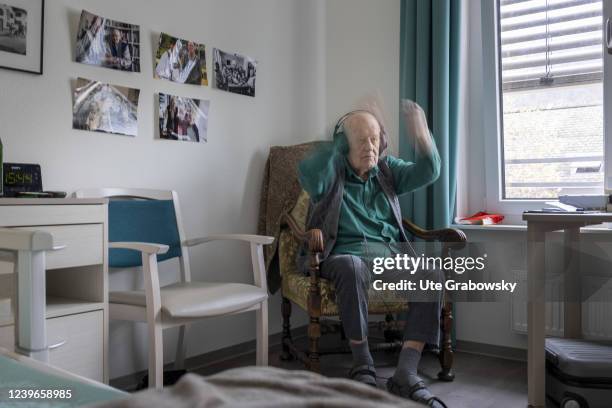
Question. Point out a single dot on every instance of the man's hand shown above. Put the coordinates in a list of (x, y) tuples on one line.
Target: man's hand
[(416, 127)]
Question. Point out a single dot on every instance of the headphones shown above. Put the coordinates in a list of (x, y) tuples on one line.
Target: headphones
[(341, 141)]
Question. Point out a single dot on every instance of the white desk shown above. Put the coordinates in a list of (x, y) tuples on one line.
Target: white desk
[(76, 280), (538, 224)]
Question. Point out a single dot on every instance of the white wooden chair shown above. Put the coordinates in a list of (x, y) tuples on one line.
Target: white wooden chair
[(149, 222)]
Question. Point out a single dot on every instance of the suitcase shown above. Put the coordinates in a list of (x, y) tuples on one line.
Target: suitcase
[(579, 373)]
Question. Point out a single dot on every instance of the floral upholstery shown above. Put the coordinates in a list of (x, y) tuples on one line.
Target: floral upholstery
[(295, 285)]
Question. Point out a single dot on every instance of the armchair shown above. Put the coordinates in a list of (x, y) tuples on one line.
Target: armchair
[(145, 228), (316, 295)]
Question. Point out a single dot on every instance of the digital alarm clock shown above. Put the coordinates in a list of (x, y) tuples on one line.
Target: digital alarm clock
[(21, 178)]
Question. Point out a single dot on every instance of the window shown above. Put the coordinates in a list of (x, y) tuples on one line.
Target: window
[(550, 97)]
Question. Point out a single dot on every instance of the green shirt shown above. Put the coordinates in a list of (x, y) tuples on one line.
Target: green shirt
[(366, 215)]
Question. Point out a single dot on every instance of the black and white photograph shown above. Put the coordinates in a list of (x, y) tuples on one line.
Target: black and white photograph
[(180, 61), (13, 29), (108, 43), (21, 35), (182, 118), (101, 107), (234, 72)]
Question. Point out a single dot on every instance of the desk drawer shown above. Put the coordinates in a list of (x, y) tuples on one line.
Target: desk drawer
[(26, 215), (78, 337), (84, 245), (83, 352), (7, 337)]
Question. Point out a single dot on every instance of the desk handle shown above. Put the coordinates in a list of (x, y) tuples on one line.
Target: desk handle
[(57, 345), (59, 247)]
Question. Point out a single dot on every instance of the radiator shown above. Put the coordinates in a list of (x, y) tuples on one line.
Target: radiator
[(596, 312)]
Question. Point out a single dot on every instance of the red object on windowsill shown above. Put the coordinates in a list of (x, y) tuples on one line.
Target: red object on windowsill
[(481, 218)]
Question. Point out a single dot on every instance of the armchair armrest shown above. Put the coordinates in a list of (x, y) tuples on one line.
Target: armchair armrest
[(313, 237), (145, 247), (253, 239), (442, 235)]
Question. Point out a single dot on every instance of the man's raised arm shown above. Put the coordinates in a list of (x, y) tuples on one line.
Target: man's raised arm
[(316, 172), (410, 176)]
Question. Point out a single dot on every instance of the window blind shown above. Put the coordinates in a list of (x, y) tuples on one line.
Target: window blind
[(546, 42)]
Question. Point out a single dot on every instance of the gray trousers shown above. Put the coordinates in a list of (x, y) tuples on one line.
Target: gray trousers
[(351, 277)]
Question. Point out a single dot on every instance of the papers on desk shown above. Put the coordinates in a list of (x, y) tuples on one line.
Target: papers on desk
[(594, 202), (556, 207), (559, 206)]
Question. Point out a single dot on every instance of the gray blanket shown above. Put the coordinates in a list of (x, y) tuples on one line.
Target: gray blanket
[(262, 387)]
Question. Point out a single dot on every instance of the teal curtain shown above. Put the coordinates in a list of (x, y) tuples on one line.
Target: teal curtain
[(429, 75)]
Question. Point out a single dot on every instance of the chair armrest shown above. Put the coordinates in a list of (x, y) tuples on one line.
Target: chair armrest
[(256, 243), (449, 235), (253, 239), (313, 237), (148, 252), (145, 247)]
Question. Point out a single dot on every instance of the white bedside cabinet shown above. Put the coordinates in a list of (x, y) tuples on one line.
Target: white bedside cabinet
[(77, 311)]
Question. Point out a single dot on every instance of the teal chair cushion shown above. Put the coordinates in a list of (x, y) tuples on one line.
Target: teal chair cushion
[(152, 221)]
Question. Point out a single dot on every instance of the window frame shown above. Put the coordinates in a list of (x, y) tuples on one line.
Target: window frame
[(492, 117)]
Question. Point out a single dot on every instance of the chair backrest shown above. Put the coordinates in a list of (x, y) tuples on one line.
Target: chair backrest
[(142, 215)]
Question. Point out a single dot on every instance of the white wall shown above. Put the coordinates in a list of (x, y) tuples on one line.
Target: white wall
[(476, 183), (218, 182), (482, 322), (363, 54), (316, 58)]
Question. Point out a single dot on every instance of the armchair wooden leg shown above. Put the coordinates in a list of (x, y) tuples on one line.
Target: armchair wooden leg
[(286, 339), (262, 333), (156, 357), (314, 327), (179, 362), (446, 349), (314, 333)]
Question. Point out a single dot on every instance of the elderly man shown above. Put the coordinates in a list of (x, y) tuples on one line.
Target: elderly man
[(192, 71), (118, 54), (354, 195)]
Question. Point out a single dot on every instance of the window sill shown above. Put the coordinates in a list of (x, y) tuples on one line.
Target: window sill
[(601, 229), (491, 227)]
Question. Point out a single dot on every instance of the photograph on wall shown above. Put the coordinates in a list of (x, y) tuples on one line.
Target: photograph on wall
[(13, 29), (21, 31), (101, 107), (108, 43), (180, 61), (234, 72), (183, 118)]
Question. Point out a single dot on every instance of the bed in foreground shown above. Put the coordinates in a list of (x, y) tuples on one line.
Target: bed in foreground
[(268, 387), (240, 387), (25, 382)]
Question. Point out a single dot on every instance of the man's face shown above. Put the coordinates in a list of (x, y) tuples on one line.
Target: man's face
[(363, 134), (116, 36), (191, 48)]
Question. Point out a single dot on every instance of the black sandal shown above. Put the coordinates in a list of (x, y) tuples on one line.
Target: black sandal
[(364, 371), (408, 392)]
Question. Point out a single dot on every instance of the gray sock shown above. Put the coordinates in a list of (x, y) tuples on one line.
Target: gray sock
[(406, 374), (361, 353), (407, 365)]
